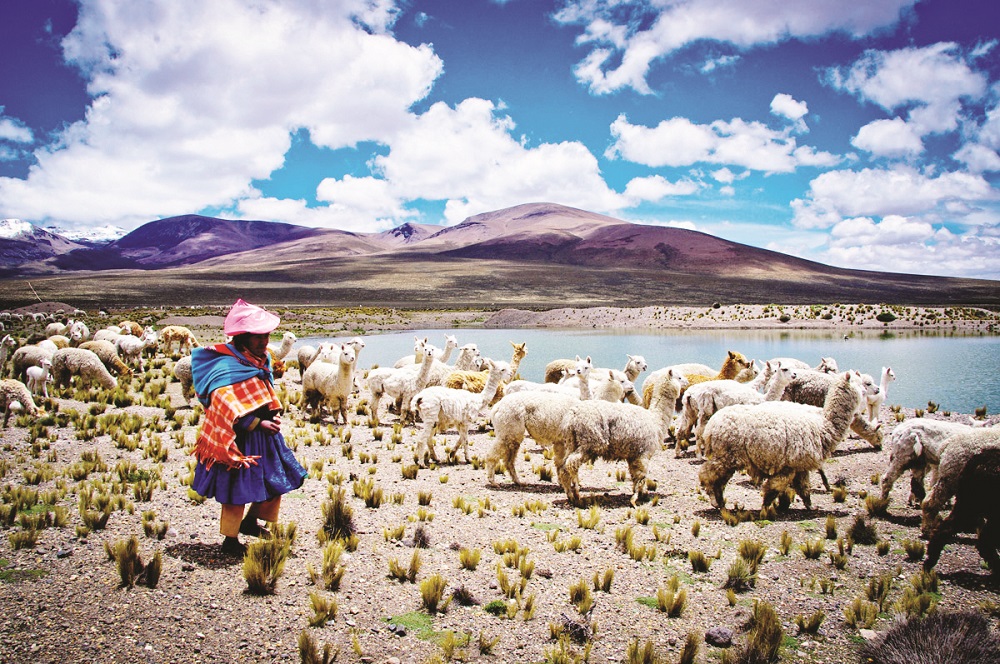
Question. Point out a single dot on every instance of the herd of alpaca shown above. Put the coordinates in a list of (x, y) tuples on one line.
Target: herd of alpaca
[(777, 426)]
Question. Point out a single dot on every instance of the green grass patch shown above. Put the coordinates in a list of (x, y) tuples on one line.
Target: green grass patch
[(417, 623), (547, 526), (17, 575), (648, 601)]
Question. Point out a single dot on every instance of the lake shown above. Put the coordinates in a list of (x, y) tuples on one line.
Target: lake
[(960, 373)]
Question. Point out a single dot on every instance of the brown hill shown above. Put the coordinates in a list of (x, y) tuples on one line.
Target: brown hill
[(529, 256)]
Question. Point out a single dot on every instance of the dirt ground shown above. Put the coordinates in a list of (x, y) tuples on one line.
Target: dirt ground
[(62, 599)]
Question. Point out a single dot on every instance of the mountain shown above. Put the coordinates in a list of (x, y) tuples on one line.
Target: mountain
[(532, 256), (98, 235), (23, 246)]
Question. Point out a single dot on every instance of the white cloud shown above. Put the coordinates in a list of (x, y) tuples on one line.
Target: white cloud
[(723, 61), (168, 133), (889, 138), (657, 29), (836, 195), (13, 130), (655, 188), (296, 211), (899, 244), (680, 142), (786, 106), (978, 158), (468, 157)]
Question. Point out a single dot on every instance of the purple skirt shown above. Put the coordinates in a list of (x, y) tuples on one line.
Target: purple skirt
[(277, 472)]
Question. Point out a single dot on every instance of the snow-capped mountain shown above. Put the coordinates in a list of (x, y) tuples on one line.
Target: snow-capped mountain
[(22, 243), (96, 235), (14, 228)]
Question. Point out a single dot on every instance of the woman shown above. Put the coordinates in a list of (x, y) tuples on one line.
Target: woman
[(242, 456)]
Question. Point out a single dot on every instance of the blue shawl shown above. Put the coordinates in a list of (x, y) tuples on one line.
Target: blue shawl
[(217, 366)]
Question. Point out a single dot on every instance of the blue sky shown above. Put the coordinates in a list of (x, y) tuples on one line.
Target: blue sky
[(862, 135)]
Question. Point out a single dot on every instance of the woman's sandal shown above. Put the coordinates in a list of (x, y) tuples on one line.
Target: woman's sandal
[(233, 547)]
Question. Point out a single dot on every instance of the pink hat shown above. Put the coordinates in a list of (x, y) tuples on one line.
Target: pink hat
[(246, 317)]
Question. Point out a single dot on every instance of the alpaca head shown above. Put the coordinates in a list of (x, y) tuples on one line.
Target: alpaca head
[(637, 362)]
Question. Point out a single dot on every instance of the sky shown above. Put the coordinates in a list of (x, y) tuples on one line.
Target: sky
[(858, 134)]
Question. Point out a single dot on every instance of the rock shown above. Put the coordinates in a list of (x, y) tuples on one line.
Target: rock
[(868, 634), (64, 553), (393, 660), (720, 637)]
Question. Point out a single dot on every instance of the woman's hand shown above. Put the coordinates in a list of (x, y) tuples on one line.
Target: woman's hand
[(247, 461), (271, 426)]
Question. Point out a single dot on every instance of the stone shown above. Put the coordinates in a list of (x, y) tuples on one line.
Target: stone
[(868, 634), (720, 637), (64, 553)]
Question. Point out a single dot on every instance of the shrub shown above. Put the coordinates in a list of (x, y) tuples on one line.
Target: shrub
[(264, 563), (432, 592)]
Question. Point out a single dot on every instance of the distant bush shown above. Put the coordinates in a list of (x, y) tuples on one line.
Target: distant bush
[(784, 318), (885, 317)]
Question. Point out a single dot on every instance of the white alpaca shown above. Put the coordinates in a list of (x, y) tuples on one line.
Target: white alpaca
[(15, 397), (78, 332), (959, 448), (876, 400), (442, 355), (811, 388), (67, 362), (329, 383), (442, 408), (615, 432), (39, 377), (826, 364), (917, 445), (130, 347), (535, 409), (108, 334), (28, 356), (580, 386), (400, 384), (468, 358), (776, 443), (702, 401), (280, 351)]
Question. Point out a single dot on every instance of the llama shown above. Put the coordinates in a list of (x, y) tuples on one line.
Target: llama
[(615, 432), (777, 443), (875, 401), (324, 382), (443, 408)]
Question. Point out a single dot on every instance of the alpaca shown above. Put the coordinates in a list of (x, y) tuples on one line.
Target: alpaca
[(401, 384), (733, 364), (811, 387), (615, 432), (875, 401), (443, 408), (557, 370), (917, 445), (6, 344), (67, 362), (537, 413), (28, 356), (130, 347), (715, 395), (109, 356), (130, 327), (39, 377), (475, 381), (976, 508), (180, 335), (78, 332), (605, 384), (418, 353), (331, 384), (826, 364), (775, 442), (689, 406), (959, 448), (280, 351), (15, 397), (182, 372), (580, 389)]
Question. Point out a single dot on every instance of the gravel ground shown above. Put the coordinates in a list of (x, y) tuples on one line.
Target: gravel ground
[(62, 601)]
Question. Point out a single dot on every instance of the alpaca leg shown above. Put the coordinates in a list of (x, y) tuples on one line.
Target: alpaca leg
[(425, 445), (801, 485), (637, 471), (571, 468), (988, 543), (822, 476), (713, 477), (463, 440), (940, 536), (890, 478), (931, 506), (917, 491), (774, 486), (499, 450)]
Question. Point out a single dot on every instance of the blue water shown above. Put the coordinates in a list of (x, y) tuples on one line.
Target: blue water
[(960, 373)]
